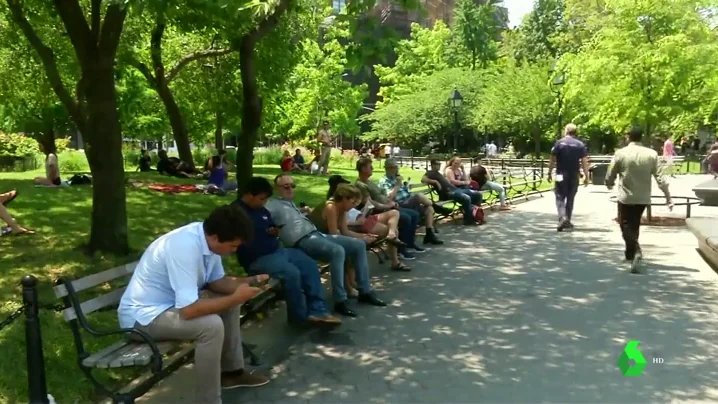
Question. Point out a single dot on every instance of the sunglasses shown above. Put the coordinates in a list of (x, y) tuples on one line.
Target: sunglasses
[(287, 186)]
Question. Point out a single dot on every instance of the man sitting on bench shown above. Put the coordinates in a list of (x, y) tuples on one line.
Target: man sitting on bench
[(296, 230), (298, 272), (163, 298), (464, 196), (394, 188)]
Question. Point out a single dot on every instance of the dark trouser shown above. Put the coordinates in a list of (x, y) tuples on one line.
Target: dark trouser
[(629, 218), (408, 222), (302, 284), (467, 198), (565, 194)]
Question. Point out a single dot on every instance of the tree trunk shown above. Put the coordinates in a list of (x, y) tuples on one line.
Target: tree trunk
[(251, 113), (537, 143), (104, 153), (218, 137), (179, 129)]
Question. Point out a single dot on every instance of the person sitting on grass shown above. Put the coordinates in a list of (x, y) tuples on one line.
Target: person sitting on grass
[(296, 230), (52, 168), (447, 191), (394, 188), (298, 272), (166, 166), (480, 175), (218, 178), (15, 228), (144, 163), (287, 163), (314, 166), (163, 298), (299, 159)]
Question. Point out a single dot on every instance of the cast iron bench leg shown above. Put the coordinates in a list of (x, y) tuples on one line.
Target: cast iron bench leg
[(253, 358)]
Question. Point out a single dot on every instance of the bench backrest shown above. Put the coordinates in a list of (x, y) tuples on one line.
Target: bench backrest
[(108, 299)]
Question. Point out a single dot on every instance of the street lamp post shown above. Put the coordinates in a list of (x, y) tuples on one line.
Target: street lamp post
[(455, 102), (557, 82)]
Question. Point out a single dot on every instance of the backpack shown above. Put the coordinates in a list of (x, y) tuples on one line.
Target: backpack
[(80, 179), (479, 215)]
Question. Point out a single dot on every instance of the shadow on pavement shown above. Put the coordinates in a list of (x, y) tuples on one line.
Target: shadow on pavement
[(524, 315)]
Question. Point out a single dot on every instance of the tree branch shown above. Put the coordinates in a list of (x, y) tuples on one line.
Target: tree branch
[(112, 30), (156, 46), (95, 20), (75, 24), (145, 71), (192, 57), (268, 24), (48, 61)]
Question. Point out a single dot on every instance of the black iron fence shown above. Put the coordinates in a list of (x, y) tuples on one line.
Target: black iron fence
[(30, 308)]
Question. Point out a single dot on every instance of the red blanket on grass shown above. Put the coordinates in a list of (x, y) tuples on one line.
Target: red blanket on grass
[(174, 188)]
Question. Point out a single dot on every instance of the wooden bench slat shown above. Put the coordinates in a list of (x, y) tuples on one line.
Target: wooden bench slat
[(95, 304), (92, 360), (107, 359), (97, 279)]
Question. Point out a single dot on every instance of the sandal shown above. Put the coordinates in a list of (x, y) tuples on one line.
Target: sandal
[(11, 198), (396, 242), (23, 232), (401, 268)]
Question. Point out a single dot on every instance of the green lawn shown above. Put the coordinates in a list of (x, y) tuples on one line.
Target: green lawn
[(61, 217)]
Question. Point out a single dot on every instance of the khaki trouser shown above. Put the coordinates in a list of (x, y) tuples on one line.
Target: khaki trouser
[(217, 341), (324, 162)]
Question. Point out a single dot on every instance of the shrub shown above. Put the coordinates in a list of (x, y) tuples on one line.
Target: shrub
[(17, 145), (268, 155), (71, 161)]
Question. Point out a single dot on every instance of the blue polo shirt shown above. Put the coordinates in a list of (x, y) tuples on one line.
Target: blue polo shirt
[(568, 152), (263, 243)]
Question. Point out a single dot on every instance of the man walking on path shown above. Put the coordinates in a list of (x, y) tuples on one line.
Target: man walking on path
[(568, 155), (636, 164), (325, 141)]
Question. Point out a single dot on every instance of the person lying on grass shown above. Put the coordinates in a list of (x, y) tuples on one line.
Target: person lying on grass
[(171, 167), (15, 228)]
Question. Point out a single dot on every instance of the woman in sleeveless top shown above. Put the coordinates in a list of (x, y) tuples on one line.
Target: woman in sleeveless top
[(52, 167)]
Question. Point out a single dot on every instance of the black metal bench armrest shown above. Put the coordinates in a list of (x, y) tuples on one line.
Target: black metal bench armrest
[(72, 295)]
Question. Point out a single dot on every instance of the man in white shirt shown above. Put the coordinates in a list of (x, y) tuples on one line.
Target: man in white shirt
[(163, 298)]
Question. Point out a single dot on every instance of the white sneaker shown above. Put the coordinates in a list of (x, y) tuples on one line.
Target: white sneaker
[(636, 263)]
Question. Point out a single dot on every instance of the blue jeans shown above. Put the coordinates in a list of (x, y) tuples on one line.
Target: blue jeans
[(466, 197), (565, 194), (498, 188), (335, 249), (408, 222), (300, 276)]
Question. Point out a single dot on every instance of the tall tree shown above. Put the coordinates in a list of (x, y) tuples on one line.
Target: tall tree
[(93, 108), (478, 27), (647, 64), (160, 78), (540, 30)]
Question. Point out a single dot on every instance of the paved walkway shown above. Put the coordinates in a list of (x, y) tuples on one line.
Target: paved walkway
[(512, 312)]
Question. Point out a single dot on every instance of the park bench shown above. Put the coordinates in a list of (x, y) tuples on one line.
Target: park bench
[(706, 231), (520, 180), (162, 357)]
